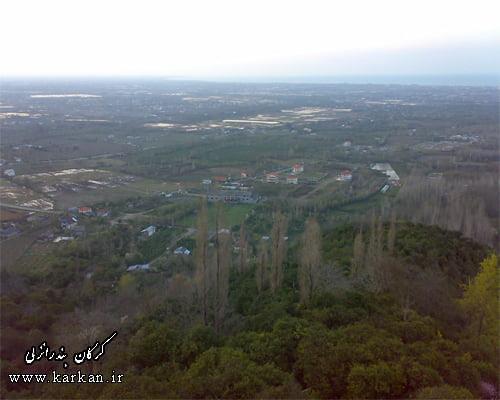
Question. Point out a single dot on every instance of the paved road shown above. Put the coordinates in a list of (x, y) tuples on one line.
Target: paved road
[(23, 208), (90, 157)]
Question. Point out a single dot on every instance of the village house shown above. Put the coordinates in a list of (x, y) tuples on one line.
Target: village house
[(345, 175), (232, 186), (292, 180), (149, 231), (63, 239), (10, 173), (87, 211), (298, 168), (233, 196), (182, 251), (68, 222), (171, 194), (138, 267), (220, 179), (388, 171), (272, 177)]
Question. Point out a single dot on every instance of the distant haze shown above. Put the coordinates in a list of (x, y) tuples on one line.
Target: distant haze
[(255, 40)]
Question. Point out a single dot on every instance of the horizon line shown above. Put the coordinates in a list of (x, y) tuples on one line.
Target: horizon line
[(451, 79)]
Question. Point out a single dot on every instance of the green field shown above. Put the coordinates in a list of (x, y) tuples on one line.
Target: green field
[(234, 214)]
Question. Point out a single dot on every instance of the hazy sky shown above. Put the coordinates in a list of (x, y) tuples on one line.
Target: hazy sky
[(248, 38)]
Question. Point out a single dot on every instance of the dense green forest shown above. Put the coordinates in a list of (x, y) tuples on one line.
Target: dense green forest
[(380, 309)]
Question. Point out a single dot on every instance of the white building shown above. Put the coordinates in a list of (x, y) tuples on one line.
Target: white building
[(63, 239), (387, 170), (182, 251), (272, 177), (138, 267), (149, 231)]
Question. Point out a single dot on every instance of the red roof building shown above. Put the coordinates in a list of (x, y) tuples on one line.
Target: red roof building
[(85, 210), (345, 175), (220, 179), (298, 168)]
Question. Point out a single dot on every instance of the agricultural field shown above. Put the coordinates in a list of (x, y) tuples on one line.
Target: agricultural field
[(102, 144)]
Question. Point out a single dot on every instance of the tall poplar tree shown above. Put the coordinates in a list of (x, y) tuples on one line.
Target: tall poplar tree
[(262, 267), (278, 250), (222, 264), (201, 259), (243, 246), (358, 259), (391, 235), (310, 260)]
